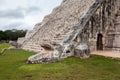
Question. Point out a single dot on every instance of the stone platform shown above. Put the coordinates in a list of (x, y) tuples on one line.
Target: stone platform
[(112, 54)]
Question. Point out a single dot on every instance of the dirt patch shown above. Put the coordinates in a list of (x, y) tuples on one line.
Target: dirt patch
[(27, 77), (118, 62)]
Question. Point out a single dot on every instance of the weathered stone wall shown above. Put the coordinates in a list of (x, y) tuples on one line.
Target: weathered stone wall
[(103, 22), (115, 40)]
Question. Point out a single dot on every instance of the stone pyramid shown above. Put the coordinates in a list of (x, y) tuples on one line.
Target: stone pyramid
[(75, 28), (57, 25)]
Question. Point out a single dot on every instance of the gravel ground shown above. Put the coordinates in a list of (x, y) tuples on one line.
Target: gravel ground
[(112, 54)]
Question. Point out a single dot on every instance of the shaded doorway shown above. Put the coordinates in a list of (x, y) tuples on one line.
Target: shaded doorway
[(99, 42)]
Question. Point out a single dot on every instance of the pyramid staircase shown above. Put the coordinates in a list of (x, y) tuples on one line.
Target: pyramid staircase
[(56, 33)]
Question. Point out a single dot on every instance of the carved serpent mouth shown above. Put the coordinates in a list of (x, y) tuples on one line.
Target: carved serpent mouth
[(47, 46)]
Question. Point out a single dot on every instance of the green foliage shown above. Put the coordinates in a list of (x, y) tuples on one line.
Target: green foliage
[(13, 67), (11, 34)]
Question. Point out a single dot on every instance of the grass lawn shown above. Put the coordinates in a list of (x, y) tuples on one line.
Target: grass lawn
[(5, 45), (13, 67)]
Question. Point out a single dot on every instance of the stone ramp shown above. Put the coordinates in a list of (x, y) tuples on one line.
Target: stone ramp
[(112, 54)]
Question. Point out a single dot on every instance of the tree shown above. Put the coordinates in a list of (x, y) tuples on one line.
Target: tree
[(12, 34)]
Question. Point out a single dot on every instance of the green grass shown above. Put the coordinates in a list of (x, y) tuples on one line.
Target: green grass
[(13, 67), (4, 45)]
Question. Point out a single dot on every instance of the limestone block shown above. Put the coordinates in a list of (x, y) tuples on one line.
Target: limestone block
[(82, 51)]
